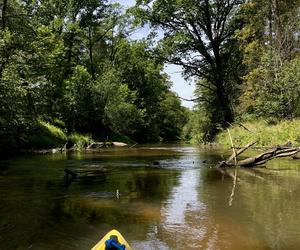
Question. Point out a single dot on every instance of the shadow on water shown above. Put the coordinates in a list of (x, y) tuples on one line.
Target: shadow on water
[(159, 197)]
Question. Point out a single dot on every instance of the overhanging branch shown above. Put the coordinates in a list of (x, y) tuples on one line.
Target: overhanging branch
[(197, 99)]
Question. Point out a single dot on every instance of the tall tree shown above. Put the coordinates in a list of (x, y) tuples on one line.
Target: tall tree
[(199, 36)]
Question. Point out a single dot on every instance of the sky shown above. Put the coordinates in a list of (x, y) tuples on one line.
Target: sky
[(183, 88)]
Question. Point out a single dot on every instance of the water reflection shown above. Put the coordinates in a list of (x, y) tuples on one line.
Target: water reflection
[(181, 209), (179, 203), (184, 198)]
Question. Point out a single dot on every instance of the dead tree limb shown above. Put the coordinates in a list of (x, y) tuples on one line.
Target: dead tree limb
[(233, 148), (264, 157), (277, 152), (237, 153)]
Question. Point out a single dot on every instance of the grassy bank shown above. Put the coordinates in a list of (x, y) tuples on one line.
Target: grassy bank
[(46, 135), (265, 132)]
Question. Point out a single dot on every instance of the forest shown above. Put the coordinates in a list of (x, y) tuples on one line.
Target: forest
[(70, 71)]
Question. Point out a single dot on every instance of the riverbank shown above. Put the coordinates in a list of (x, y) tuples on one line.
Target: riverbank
[(267, 133), (45, 137)]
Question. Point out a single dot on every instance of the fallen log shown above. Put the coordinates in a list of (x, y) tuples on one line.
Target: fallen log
[(263, 158), (276, 152)]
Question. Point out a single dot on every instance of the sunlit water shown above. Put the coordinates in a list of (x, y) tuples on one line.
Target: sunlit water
[(158, 197)]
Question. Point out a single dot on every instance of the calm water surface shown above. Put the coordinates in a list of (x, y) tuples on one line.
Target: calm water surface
[(169, 198)]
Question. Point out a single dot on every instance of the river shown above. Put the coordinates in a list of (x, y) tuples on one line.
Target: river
[(159, 197)]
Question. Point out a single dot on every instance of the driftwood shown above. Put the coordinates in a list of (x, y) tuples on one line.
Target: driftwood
[(228, 162), (260, 159)]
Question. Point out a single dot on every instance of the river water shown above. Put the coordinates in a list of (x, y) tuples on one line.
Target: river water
[(157, 196)]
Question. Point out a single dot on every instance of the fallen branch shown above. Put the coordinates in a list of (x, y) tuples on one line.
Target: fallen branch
[(232, 146), (264, 157), (235, 154), (277, 152)]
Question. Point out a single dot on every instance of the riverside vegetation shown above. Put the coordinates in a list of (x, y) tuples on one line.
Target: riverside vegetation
[(256, 45), (71, 71)]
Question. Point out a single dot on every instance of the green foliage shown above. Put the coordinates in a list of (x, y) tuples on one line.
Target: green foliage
[(54, 131), (144, 76), (273, 93), (123, 116), (173, 117), (263, 132), (199, 36), (71, 67), (198, 126), (271, 84), (76, 104)]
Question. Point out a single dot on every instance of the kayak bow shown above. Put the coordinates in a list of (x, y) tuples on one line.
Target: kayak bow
[(101, 244)]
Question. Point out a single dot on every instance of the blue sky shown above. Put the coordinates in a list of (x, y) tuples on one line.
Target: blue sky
[(180, 86)]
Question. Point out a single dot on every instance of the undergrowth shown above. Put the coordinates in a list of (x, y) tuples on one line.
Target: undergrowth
[(266, 133)]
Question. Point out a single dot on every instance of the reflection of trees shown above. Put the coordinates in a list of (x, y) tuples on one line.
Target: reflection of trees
[(26, 202), (265, 208), (141, 194), (272, 203), (36, 209)]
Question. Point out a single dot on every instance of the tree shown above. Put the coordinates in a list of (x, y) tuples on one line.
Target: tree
[(172, 117), (145, 76), (73, 64), (271, 84), (199, 36)]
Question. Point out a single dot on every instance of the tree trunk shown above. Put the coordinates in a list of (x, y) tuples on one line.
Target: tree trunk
[(91, 54), (4, 7), (226, 113)]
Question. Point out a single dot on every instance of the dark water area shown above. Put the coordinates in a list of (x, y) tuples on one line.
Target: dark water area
[(157, 196)]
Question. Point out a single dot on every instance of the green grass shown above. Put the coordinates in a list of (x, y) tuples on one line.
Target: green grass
[(45, 135), (54, 131), (266, 133), (80, 140)]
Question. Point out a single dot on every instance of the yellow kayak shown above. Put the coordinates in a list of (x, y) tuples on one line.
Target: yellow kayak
[(101, 244)]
